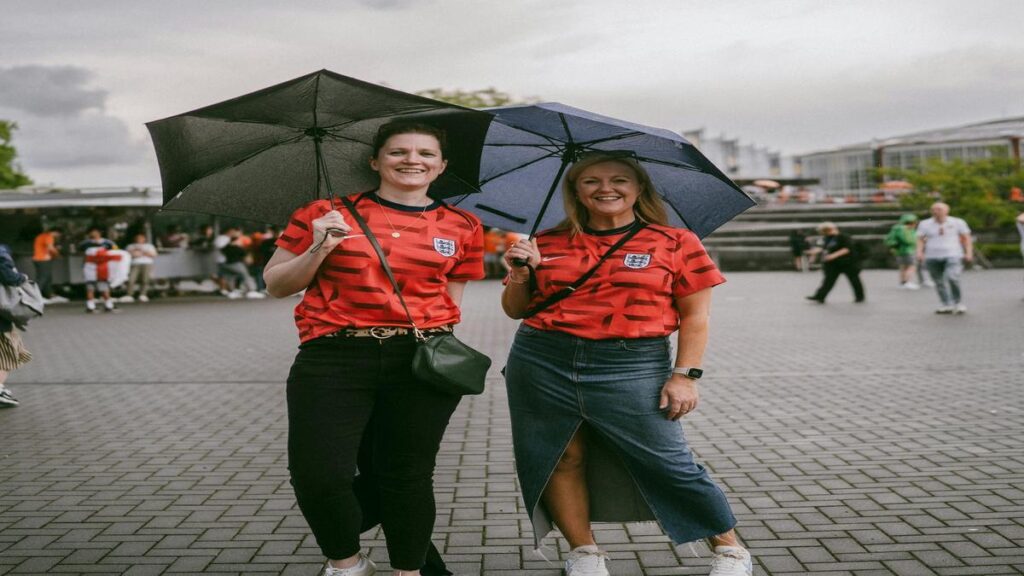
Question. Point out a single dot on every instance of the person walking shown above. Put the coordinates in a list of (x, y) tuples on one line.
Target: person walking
[(944, 244), (902, 242), (13, 353), (594, 397), (837, 259), (798, 247), (353, 401), (44, 250)]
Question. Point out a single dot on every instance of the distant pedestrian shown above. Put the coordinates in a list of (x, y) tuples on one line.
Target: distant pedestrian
[(174, 238), (232, 268), (902, 242), (944, 243), (13, 353), (494, 248), (837, 258), (44, 250), (261, 253), (97, 268), (143, 258), (798, 246), (203, 240)]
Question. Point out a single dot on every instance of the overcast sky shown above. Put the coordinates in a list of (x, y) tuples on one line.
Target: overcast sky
[(82, 77)]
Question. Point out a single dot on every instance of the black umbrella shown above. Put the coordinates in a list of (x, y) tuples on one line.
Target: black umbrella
[(529, 147), (262, 155)]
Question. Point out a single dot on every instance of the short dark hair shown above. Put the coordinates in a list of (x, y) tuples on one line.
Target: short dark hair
[(97, 227), (396, 127)]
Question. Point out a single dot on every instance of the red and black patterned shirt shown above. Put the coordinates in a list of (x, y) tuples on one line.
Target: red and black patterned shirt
[(351, 290), (632, 294)]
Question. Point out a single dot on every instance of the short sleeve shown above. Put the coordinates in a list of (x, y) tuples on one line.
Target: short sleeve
[(297, 237), (964, 228), (694, 269), (471, 266)]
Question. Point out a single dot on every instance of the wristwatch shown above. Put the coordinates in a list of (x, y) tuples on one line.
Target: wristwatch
[(689, 372)]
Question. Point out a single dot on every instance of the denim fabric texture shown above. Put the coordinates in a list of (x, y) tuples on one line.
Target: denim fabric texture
[(353, 403), (639, 466), (945, 272)]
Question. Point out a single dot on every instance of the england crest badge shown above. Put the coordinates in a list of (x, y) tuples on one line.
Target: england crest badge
[(637, 261), (444, 247)]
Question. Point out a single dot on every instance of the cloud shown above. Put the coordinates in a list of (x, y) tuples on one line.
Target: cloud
[(49, 90), (62, 121)]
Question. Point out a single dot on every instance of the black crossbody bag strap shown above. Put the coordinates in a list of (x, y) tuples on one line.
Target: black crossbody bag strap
[(568, 290), (383, 260)]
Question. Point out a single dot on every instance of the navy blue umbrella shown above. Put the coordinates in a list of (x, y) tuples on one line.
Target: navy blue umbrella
[(528, 149)]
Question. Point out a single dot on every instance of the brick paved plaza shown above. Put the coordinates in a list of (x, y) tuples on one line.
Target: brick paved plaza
[(851, 439)]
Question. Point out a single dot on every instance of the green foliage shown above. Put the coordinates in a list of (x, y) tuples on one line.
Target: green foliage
[(486, 98), (977, 191), (1000, 251), (10, 173)]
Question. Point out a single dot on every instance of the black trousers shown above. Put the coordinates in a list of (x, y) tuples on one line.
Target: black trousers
[(832, 273), (353, 405), (44, 277)]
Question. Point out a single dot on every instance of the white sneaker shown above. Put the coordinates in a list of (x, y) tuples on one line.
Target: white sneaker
[(365, 567), (126, 299), (234, 295), (143, 298), (55, 299), (254, 295), (731, 561), (586, 561), (929, 283), (912, 286), (959, 309), (6, 398), (944, 310)]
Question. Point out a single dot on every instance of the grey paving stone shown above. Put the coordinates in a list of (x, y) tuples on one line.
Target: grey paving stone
[(866, 440)]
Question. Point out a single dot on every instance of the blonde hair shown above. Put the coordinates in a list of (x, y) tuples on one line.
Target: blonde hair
[(648, 207)]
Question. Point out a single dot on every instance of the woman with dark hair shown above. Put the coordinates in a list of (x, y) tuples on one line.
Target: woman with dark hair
[(13, 353), (594, 396), (353, 402)]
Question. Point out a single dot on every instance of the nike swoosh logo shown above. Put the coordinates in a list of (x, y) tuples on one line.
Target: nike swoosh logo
[(550, 258)]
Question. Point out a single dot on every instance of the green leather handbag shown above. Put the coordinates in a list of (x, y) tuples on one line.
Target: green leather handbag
[(450, 365)]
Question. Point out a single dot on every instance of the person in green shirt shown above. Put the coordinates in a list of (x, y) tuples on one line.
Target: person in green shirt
[(902, 241)]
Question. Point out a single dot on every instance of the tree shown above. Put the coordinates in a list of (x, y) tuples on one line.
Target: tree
[(485, 98), (10, 173), (977, 191)]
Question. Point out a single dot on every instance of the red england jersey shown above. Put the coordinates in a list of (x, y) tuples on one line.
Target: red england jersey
[(436, 245), (632, 294)]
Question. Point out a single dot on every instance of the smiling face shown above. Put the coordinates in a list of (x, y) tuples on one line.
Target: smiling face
[(608, 191), (409, 161)]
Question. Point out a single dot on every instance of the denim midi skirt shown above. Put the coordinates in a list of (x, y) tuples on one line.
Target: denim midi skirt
[(638, 464)]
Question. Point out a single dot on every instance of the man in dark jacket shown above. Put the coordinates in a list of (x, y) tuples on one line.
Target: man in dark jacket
[(838, 258)]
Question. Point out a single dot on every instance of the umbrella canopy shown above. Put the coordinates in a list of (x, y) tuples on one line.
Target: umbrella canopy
[(262, 155), (529, 147)]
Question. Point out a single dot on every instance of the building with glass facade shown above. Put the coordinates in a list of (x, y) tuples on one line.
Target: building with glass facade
[(850, 170)]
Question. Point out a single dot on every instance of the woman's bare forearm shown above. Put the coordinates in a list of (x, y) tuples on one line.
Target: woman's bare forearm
[(515, 300), (287, 273)]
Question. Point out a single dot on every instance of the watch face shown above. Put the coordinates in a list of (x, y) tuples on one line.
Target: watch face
[(694, 373)]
